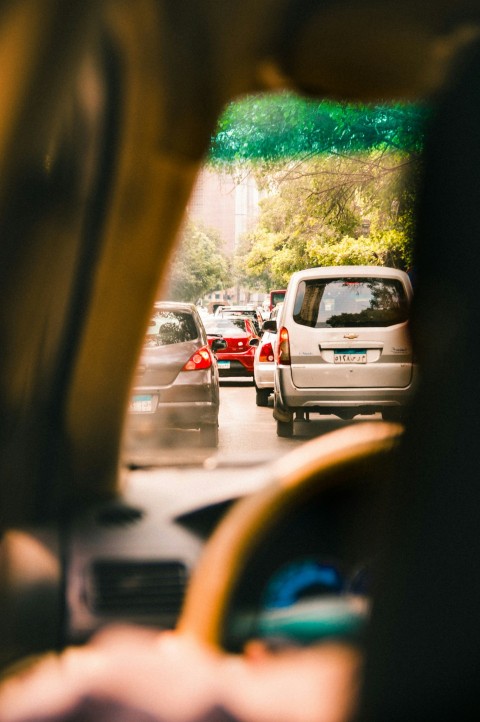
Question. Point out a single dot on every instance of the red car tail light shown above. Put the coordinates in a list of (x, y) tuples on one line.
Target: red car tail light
[(282, 349), (201, 359), (266, 353)]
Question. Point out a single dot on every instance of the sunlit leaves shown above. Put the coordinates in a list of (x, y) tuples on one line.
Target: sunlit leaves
[(332, 210)]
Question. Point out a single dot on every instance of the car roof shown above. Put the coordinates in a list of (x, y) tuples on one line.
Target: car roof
[(350, 271), (175, 306)]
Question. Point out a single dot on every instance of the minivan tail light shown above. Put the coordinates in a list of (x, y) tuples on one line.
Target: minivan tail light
[(201, 359), (282, 348), (266, 353)]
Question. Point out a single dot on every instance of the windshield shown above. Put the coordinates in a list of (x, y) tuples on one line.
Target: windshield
[(288, 185), (169, 327), (276, 297), (228, 327)]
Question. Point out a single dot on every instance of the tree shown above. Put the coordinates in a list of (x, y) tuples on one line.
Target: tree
[(198, 265), (340, 182), (341, 209)]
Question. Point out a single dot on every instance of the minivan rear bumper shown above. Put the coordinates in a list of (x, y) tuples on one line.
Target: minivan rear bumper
[(291, 398)]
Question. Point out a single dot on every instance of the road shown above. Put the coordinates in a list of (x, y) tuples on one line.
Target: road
[(245, 428)]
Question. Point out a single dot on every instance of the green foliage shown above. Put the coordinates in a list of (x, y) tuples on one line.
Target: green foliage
[(268, 128), (268, 266), (387, 248), (339, 182), (198, 266), (333, 210)]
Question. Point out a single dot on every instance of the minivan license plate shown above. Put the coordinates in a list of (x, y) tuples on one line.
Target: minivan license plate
[(350, 356)]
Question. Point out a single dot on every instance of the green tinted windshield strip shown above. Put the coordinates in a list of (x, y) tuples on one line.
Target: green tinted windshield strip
[(276, 127)]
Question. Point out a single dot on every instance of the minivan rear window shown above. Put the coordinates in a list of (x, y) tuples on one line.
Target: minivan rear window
[(169, 327), (347, 302)]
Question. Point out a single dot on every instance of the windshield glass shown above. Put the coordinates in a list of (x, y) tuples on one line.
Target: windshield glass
[(228, 327), (169, 327), (276, 297), (288, 184)]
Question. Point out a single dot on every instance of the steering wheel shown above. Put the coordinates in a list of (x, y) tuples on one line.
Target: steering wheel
[(341, 461)]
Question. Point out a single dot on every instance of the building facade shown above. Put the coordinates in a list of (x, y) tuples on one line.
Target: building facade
[(230, 205)]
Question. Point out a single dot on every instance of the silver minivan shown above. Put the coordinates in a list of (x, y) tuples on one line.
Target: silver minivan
[(343, 345)]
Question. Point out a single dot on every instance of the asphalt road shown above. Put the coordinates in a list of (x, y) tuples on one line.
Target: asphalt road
[(248, 429)]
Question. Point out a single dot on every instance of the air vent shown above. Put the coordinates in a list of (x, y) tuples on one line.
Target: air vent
[(131, 588), (116, 514)]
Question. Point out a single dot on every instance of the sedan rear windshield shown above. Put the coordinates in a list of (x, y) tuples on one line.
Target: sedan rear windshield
[(227, 327), (347, 302), (252, 315), (168, 327)]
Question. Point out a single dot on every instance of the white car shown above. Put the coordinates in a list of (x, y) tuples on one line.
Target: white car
[(264, 361), (343, 345)]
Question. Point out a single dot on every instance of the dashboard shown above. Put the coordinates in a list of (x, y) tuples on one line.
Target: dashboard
[(130, 559), (306, 571), (310, 577)]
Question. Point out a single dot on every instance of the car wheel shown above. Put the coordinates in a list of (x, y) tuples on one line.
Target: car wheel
[(209, 435), (262, 396), (346, 415), (285, 428), (392, 413)]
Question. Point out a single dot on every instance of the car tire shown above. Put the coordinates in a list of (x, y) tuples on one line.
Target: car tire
[(347, 415), (262, 396), (285, 429), (209, 435), (392, 413)]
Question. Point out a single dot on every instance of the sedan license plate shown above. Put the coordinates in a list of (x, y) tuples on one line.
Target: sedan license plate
[(223, 364), (142, 404), (350, 356)]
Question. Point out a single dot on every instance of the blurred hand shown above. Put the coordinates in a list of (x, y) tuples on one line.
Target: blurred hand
[(312, 684), (136, 675)]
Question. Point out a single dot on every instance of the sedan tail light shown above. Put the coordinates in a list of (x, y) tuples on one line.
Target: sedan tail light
[(266, 353), (282, 348), (201, 359)]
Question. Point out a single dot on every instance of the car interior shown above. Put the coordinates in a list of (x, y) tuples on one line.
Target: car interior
[(107, 113)]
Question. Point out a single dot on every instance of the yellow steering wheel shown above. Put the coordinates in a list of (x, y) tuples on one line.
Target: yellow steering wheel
[(340, 459)]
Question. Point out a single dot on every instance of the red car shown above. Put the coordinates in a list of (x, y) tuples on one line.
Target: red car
[(241, 338)]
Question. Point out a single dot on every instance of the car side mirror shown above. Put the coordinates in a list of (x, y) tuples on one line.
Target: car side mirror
[(219, 344), (254, 342), (270, 326)]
